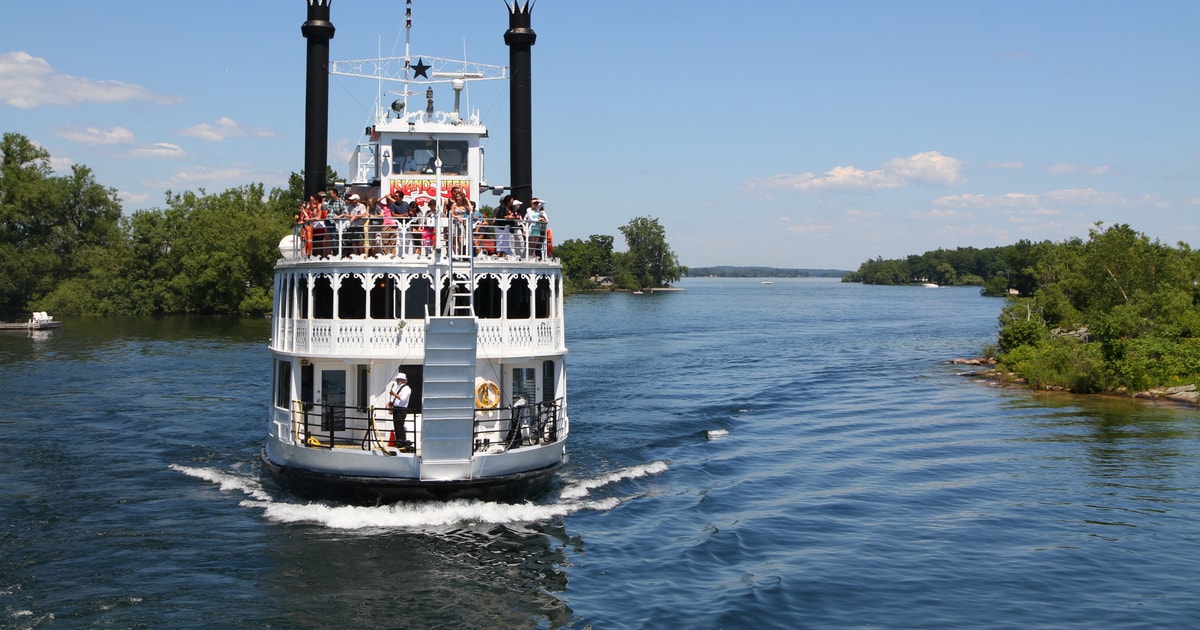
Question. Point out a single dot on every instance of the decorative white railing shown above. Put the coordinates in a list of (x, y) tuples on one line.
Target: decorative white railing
[(386, 338)]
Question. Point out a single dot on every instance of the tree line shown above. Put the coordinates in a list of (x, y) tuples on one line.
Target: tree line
[(67, 248), (648, 261), (1117, 312)]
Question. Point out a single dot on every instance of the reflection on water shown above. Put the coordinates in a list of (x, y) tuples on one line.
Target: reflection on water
[(453, 564)]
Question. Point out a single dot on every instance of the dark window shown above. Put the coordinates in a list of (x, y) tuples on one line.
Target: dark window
[(283, 385), (487, 298), (302, 295), (364, 396), (384, 298), (306, 385), (524, 385), (333, 400), (541, 298), (418, 298), (352, 299), (548, 381), (518, 299), (322, 298)]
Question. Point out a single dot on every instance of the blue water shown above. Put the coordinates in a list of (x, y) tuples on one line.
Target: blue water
[(742, 455)]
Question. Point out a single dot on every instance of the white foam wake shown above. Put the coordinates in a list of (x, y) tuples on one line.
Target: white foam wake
[(425, 514), (246, 485), (581, 489)]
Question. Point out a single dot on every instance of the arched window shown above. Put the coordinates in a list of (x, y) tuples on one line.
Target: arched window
[(541, 298), (487, 298), (385, 298), (518, 299), (418, 298), (352, 299), (322, 298)]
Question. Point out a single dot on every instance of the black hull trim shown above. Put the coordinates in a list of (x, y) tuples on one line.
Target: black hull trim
[(358, 490)]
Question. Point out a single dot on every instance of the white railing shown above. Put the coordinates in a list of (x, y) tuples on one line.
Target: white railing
[(411, 239), (386, 338)]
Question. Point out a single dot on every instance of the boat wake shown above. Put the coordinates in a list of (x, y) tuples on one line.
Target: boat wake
[(574, 497)]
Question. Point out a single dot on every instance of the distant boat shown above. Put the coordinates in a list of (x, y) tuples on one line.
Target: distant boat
[(40, 321), (637, 293), (767, 282), (930, 285)]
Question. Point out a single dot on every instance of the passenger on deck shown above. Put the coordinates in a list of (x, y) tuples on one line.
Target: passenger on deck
[(399, 394), (387, 241), (352, 239), (517, 215), (502, 221), (536, 220), (460, 211), (415, 228), (334, 215)]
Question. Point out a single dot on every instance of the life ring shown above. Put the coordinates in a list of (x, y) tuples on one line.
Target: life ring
[(487, 395)]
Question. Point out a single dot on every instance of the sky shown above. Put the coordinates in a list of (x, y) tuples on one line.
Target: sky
[(759, 133)]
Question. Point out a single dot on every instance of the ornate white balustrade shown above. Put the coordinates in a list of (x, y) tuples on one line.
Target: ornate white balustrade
[(386, 338)]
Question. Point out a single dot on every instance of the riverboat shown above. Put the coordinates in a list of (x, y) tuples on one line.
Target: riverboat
[(476, 333), (40, 320)]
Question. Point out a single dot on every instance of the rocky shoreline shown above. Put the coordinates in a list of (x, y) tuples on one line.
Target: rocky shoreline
[(1182, 394)]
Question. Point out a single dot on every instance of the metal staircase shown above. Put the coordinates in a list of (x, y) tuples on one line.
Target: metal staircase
[(448, 397)]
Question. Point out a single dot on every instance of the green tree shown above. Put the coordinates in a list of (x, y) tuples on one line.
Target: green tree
[(52, 229), (649, 257)]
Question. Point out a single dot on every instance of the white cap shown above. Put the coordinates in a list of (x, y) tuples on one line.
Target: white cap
[(401, 377), (354, 197)]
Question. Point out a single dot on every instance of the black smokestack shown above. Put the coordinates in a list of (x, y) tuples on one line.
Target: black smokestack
[(520, 38), (318, 30)]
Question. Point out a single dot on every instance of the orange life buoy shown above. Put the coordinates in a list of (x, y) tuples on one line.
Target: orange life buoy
[(487, 395)]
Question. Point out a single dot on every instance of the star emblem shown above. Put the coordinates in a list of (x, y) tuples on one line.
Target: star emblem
[(420, 69)]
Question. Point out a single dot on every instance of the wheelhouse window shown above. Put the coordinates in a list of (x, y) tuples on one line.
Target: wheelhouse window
[(414, 157)]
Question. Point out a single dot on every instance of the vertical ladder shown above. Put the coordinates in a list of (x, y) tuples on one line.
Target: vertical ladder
[(448, 399), (461, 273)]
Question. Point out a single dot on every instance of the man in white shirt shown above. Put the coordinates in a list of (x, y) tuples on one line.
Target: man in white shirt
[(399, 394)]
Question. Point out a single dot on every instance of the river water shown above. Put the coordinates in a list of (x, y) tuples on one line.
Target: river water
[(743, 455)]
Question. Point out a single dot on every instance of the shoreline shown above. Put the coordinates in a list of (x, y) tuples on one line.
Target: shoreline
[(1181, 395)]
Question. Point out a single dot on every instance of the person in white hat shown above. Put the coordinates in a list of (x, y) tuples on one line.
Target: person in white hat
[(399, 394)]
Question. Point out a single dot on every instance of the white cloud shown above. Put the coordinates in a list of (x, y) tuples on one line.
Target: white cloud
[(1087, 197), (133, 198), (812, 228), (1070, 169), (61, 164), (205, 177), (930, 168), (223, 128), (1006, 165), (96, 135), (856, 216), (27, 82), (157, 150), (1021, 206), (989, 202)]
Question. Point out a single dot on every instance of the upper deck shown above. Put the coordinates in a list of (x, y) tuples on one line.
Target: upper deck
[(366, 291)]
